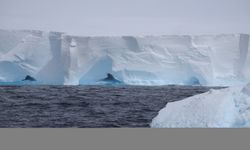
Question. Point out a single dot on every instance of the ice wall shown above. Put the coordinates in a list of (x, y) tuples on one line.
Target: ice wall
[(58, 58)]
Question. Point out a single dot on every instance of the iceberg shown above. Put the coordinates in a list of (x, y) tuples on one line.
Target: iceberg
[(58, 58), (224, 108)]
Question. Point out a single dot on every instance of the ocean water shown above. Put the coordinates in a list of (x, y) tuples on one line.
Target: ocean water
[(86, 106)]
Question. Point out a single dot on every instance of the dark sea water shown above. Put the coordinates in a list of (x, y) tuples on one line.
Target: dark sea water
[(87, 106)]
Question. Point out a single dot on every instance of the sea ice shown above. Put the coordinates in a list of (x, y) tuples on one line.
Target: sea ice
[(229, 107)]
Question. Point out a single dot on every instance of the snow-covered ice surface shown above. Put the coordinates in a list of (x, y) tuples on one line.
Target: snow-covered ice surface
[(58, 58), (228, 107)]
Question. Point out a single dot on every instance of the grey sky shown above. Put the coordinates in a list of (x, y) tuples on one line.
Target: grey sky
[(115, 17)]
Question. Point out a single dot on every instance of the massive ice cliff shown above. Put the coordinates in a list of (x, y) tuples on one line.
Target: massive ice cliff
[(58, 58)]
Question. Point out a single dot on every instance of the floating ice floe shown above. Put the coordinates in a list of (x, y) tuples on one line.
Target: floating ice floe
[(229, 107)]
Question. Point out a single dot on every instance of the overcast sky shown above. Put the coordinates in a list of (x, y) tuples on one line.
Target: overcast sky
[(127, 17)]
